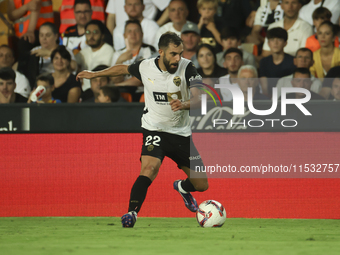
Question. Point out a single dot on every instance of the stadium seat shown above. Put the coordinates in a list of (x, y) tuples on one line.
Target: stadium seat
[(142, 99), (127, 96), (250, 47)]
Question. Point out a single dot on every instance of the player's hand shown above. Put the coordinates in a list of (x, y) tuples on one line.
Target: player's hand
[(86, 75), (176, 105)]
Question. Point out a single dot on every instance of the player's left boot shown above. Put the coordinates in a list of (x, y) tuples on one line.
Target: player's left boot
[(129, 219), (189, 200)]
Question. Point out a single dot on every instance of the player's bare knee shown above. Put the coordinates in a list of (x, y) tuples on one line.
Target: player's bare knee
[(150, 170)]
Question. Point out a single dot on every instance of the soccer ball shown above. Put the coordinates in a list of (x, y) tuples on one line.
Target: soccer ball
[(211, 213)]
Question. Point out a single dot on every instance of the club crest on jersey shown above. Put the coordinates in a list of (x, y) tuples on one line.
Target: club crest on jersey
[(177, 81)]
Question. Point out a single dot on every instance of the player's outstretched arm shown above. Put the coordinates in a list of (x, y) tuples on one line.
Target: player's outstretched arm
[(194, 102), (111, 71)]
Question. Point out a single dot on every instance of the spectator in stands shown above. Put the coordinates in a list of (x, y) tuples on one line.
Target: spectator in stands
[(335, 91), (67, 88), (91, 95), (303, 59), (7, 87), (278, 64), (328, 81), (247, 78), (28, 16), (47, 81), (70, 15), (265, 15), (233, 62), (233, 13), (99, 52), (134, 10), (209, 32), (301, 79), (108, 94), (48, 38), (190, 36), (117, 16), (298, 30), (230, 38), (7, 60), (332, 5), (74, 36), (207, 61), (320, 15), (178, 13), (327, 56), (135, 50)]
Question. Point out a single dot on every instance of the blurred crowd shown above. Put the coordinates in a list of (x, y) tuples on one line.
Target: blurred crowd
[(263, 45)]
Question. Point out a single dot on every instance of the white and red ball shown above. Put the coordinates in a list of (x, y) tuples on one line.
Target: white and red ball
[(211, 213)]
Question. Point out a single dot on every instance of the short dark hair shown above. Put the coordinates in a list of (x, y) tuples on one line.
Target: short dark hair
[(81, 2), (322, 13), (47, 77), (98, 23), (333, 28), (277, 32), (112, 92), (61, 49), (183, 1), (304, 50), (209, 47), (99, 68), (233, 50), (167, 38), (142, 1), (7, 73), (230, 32), (52, 26), (134, 21), (302, 71)]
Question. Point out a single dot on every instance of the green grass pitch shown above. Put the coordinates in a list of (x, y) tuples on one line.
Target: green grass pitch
[(104, 235)]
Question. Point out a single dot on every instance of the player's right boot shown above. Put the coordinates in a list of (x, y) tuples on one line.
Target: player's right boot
[(189, 200), (129, 219)]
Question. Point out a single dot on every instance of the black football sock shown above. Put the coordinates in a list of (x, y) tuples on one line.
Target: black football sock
[(187, 186), (138, 193)]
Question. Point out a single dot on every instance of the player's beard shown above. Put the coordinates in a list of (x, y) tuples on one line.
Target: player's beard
[(168, 67)]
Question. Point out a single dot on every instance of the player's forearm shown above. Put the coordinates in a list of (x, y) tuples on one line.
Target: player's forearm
[(112, 71)]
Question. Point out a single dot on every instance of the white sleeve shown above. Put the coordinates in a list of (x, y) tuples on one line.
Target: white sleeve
[(23, 86), (265, 45), (71, 53), (118, 38), (115, 58), (307, 32), (110, 8), (303, 14), (257, 20), (149, 34), (161, 4)]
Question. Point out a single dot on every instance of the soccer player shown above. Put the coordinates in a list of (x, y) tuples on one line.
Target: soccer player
[(171, 88)]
